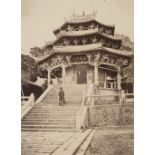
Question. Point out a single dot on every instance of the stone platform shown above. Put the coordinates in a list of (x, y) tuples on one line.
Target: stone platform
[(43, 143)]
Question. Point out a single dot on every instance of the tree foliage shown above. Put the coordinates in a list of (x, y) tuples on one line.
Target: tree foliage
[(28, 68)]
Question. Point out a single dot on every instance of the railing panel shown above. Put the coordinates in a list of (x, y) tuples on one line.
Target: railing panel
[(110, 99)]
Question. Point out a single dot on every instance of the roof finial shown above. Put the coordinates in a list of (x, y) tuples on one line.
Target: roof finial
[(83, 13)]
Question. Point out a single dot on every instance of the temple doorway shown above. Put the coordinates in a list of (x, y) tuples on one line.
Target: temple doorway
[(81, 76)]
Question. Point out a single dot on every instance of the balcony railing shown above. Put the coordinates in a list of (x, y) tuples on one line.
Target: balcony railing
[(79, 32), (71, 48), (84, 32), (27, 103), (111, 99)]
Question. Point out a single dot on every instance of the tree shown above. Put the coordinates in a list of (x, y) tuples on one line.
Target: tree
[(36, 51), (28, 68)]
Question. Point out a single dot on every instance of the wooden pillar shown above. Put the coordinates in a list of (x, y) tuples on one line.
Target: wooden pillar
[(63, 73), (96, 73), (105, 80), (119, 78), (49, 76)]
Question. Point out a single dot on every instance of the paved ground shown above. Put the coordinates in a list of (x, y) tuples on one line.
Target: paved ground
[(112, 142), (43, 143)]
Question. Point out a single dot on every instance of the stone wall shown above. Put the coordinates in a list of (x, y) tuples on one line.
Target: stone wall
[(111, 115)]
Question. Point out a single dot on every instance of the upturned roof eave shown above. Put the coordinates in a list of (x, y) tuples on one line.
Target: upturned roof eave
[(104, 35), (71, 22), (90, 50)]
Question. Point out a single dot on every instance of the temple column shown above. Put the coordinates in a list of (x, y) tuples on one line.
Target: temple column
[(49, 76), (63, 73), (105, 80), (119, 78), (96, 73), (96, 60)]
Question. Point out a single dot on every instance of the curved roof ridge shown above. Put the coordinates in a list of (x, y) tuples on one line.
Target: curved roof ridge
[(88, 33), (92, 47), (71, 22)]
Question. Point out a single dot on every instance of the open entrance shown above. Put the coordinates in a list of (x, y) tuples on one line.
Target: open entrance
[(107, 77), (81, 76)]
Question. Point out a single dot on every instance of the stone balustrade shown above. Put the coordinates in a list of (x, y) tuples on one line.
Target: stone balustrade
[(27, 104)]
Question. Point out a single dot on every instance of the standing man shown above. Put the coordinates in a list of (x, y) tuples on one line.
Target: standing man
[(61, 96)]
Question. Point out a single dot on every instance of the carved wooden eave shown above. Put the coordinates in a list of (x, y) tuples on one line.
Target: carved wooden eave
[(84, 33), (91, 58), (102, 50), (82, 22)]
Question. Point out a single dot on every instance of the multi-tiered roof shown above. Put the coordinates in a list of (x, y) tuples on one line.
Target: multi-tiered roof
[(84, 33)]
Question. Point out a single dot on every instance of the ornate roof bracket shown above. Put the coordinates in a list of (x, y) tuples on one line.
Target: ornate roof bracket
[(96, 57), (89, 56), (68, 59)]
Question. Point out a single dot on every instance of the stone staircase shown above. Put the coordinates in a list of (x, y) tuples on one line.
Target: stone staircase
[(49, 116), (73, 95)]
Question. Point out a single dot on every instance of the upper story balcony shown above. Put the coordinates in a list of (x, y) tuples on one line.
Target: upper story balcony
[(82, 32), (78, 32)]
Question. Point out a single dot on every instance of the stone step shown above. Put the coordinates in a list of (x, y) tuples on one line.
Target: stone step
[(47, 122), (47, 130), (55, 107), (48, 117), (57, 104), (50, 110), (65, 111), (66, 125), (49, 126), (52, 113)]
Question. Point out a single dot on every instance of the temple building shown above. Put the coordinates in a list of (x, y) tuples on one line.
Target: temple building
[(85, 51)]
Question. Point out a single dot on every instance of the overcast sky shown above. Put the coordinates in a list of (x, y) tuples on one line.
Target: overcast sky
[(41, 17)]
